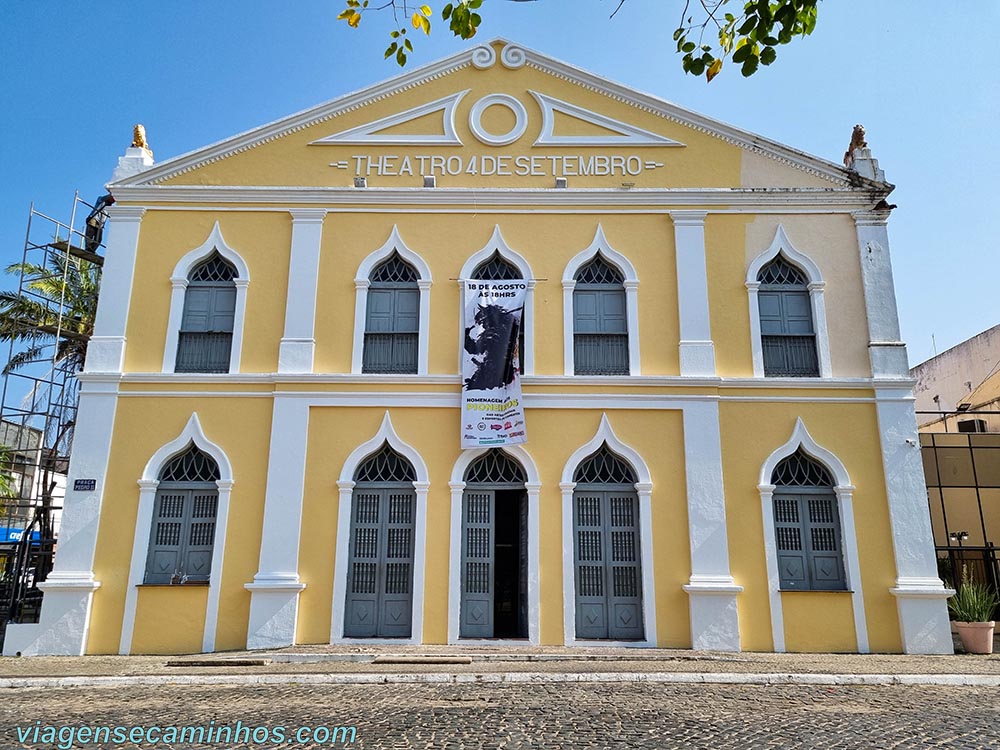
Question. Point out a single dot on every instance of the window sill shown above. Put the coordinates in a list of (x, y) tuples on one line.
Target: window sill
[(815, 591)]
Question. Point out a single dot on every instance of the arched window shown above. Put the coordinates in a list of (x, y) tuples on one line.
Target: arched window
[(392, 322), (600, 328), (607, 554), (184, 516), (807, 526), (497, 268), (205, 339), (788, 337), (380, 578)]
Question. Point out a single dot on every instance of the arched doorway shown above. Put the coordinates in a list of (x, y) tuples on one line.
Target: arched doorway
[(380, 569), (607, 554), (494, 572)]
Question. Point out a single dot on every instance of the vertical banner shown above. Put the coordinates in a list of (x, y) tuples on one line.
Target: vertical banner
[(492, 413)]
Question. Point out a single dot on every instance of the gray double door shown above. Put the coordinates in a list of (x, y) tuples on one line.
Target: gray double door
[(608, 564), (494, 601), (380, 574)]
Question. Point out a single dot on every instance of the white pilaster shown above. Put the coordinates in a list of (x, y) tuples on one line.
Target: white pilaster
[(275, 588), (921, 597), (106, 350), (298, 344), (697, 352), (885, 349), (69, 589), (712, 590)]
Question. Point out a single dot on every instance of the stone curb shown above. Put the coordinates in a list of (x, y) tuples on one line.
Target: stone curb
[(676, 678)]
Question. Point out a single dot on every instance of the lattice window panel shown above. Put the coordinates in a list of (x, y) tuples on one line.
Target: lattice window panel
[(495, 467), (385, 466), (394, 270), (496, 268), (779, 272), (599, 271), (213, 269), (800, 470), (193, 465), (604, 467)]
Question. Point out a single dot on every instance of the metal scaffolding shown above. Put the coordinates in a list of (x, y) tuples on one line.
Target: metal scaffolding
[(48, 321)]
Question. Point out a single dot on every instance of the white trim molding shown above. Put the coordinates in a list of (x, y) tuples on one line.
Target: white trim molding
[(148, 483), (697, 351), (781, 245), (345, 486), (844, 491), (368, 134), (361, 284), (497, 244), (179, 285), (500, 100), (533, 487), (601, 245), (296, 351), (644, 489), (624, 134)]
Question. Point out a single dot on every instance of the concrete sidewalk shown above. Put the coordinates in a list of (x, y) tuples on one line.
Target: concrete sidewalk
[(380, 664)]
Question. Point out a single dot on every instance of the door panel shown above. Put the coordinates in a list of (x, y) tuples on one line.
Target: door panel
[(478, 512), (608, 565), (380, 572)]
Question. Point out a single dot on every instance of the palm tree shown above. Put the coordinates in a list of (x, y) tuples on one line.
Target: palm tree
[(31, 318)]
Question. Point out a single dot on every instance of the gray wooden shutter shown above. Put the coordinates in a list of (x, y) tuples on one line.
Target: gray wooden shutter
[(826, 561), (166, 540), (206, 337), (591, 594), (396, 607), (788, 529), (201, 534), (361, 612), (391, 330), (608, 565), (788, 339), (600, 332), (477, 564)]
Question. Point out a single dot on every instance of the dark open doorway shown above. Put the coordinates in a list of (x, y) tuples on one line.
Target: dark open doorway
[(510, 603)]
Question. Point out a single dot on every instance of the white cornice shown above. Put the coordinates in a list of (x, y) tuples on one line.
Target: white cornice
[(284, 198), (577, 76)]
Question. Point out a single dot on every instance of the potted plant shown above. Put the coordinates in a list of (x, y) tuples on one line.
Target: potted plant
[(972, 607)]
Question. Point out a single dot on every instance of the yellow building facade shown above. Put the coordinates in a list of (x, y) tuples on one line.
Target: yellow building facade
[(725, 457)]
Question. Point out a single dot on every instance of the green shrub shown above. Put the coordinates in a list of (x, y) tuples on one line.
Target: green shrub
[(973, 602)]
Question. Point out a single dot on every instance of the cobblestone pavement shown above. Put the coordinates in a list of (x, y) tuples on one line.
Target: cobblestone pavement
[(574, 717)]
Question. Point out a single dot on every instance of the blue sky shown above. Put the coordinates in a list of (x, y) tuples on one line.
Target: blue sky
[(76, 76)]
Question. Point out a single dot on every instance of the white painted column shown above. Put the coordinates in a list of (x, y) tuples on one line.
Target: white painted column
[(298, 344), (921, 597), (534, 550), (568, 352), (274, 601), (69, 588), (632, 313), (106, 349), (424, 336), (697, 352), (455, 562), (342, 556), (712, 590), (885, 349), (137, 570), (528, 355)]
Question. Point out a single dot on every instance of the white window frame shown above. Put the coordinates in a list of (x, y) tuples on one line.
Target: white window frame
[(631, 284), (148, 484), (345, 486), (644, 489), (781, 245), (844, 491), (533, 486), (497, 244), (179, 284), (361, 284)]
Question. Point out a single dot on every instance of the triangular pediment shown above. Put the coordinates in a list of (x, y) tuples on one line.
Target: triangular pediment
[(495, 116)]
